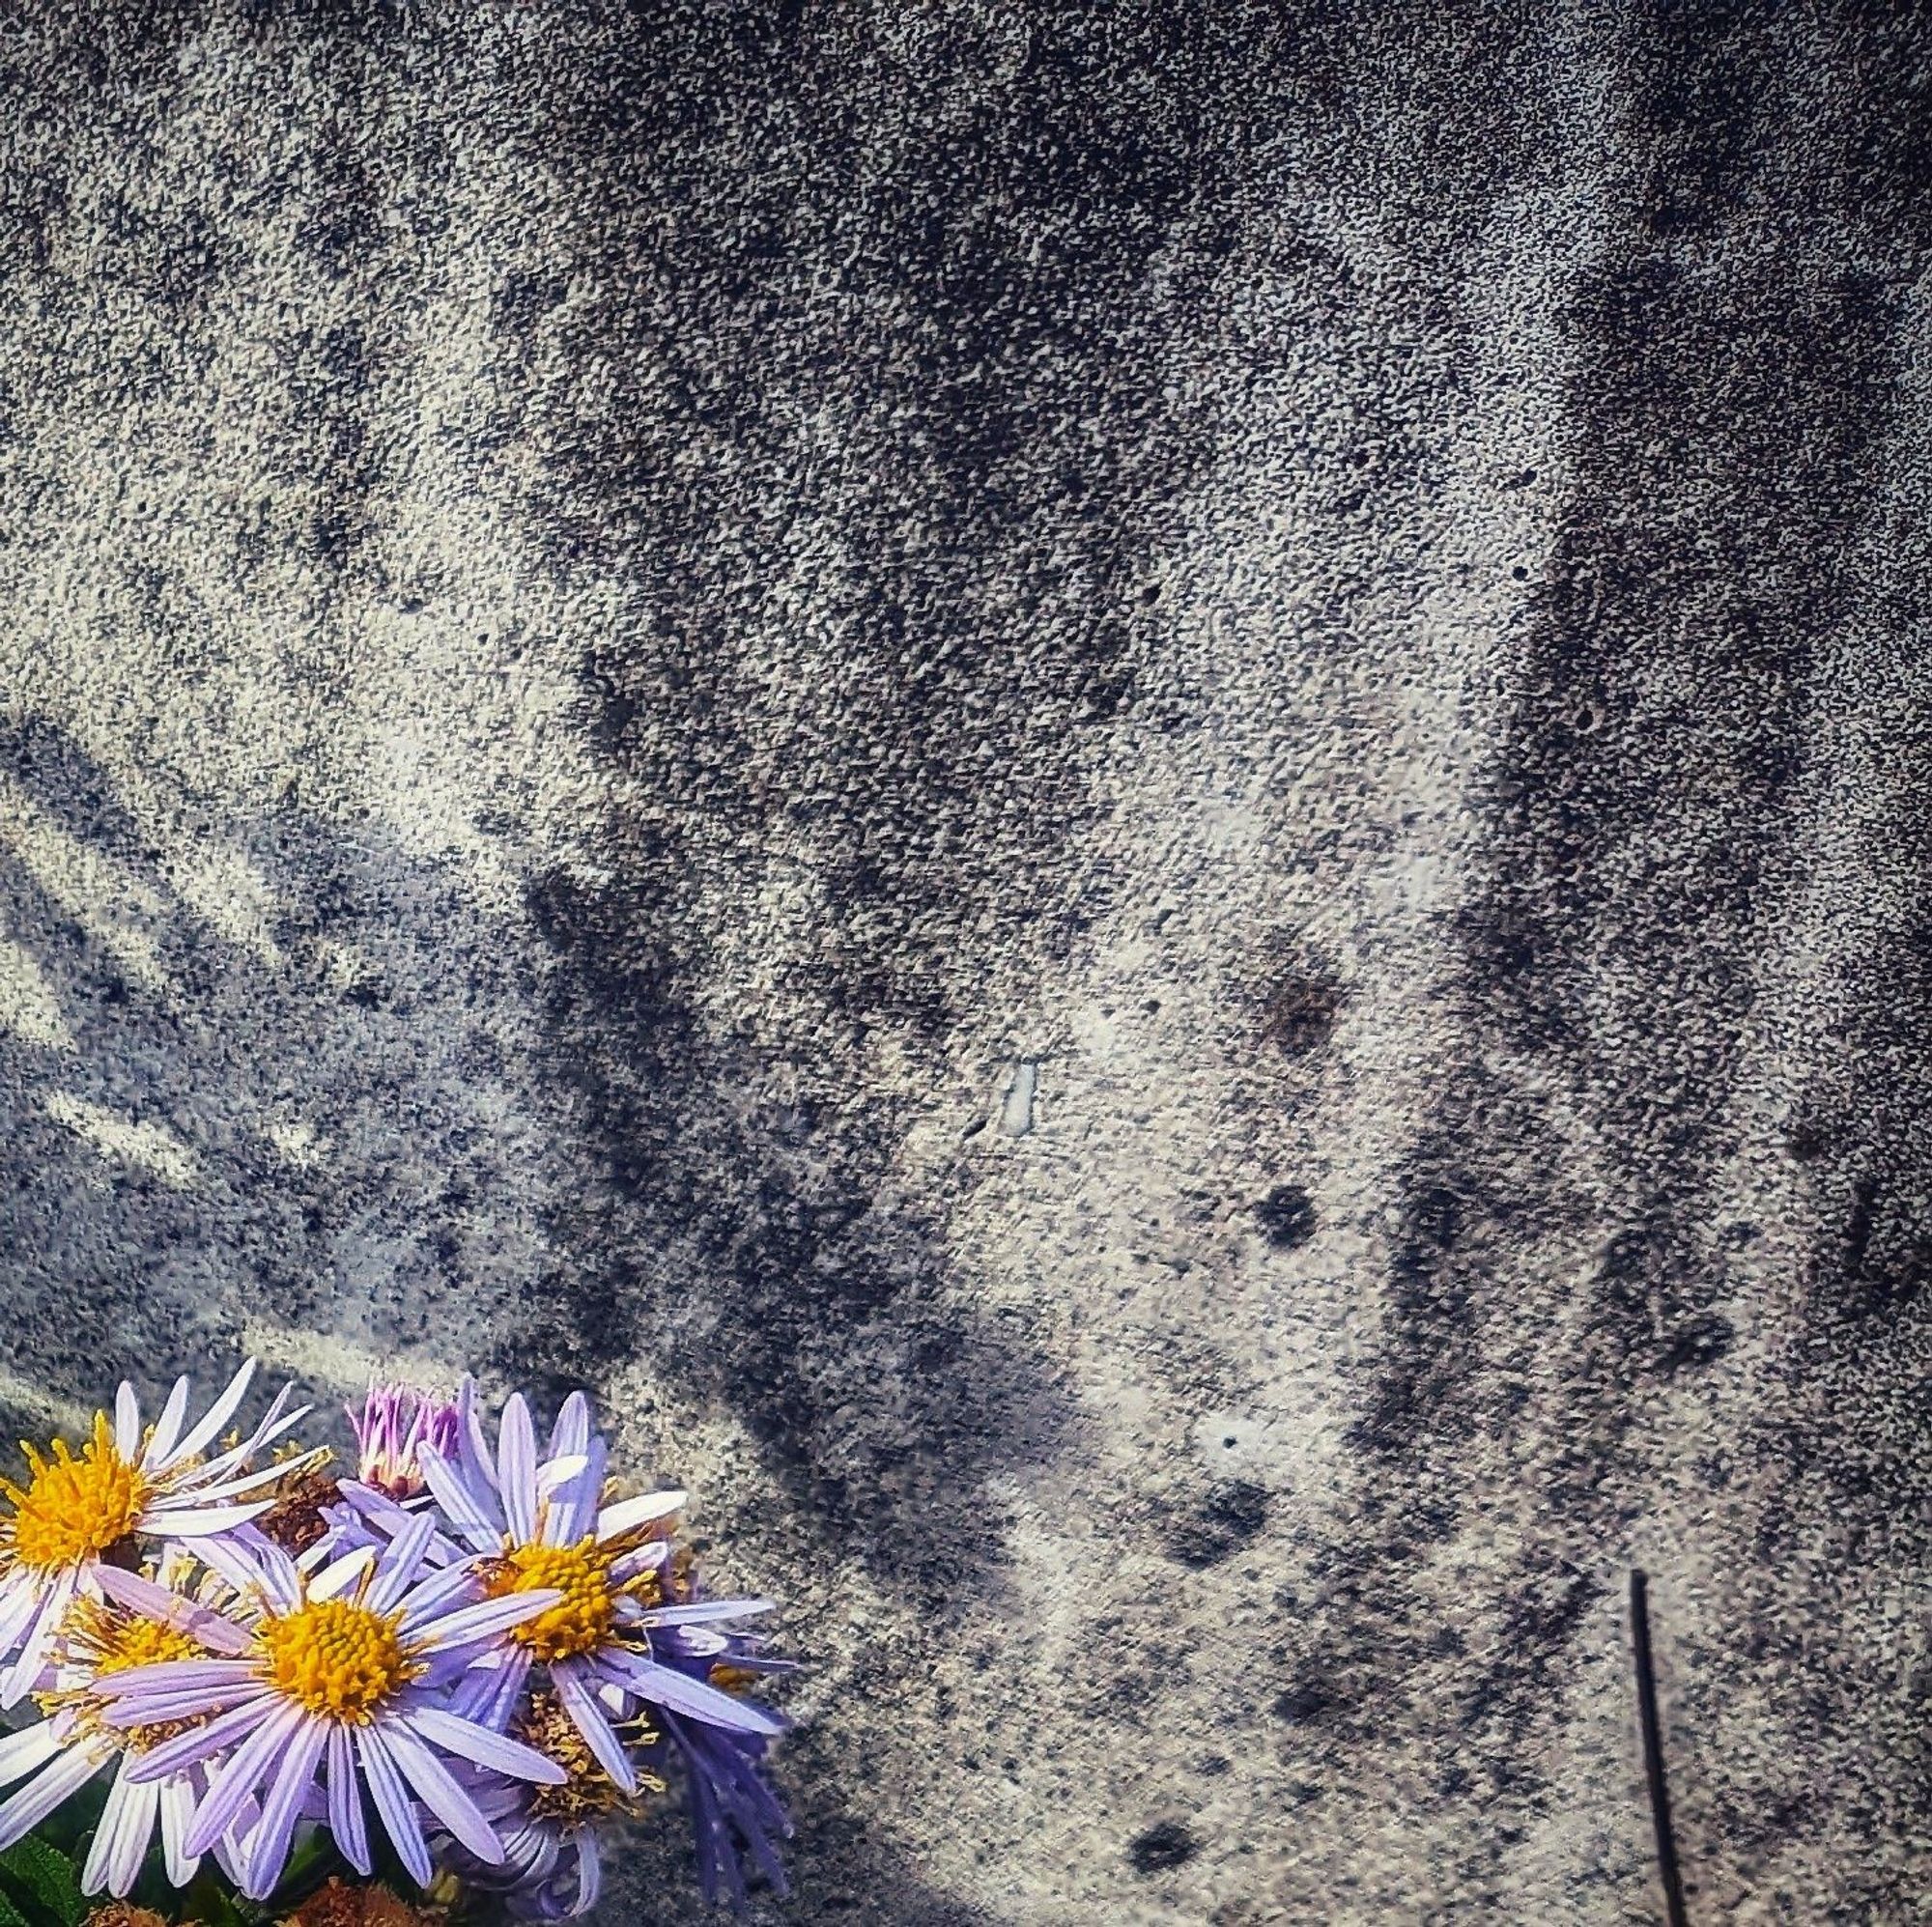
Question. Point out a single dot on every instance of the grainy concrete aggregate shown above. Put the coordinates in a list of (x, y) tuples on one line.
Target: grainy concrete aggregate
[(1130, 801)]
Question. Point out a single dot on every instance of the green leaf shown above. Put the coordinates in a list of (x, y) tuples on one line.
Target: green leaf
[(314, 1859), (39, 1879), (209, 1900), (11, 1916)]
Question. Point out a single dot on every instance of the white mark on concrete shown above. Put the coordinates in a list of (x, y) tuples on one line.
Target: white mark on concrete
[(225, 889), (295, 1143), (1016, 1108), (153, 1146)]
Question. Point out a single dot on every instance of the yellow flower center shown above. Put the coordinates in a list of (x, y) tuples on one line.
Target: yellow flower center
[(144, 1642), (586, 1616), (336, 1659), (74, 1509)]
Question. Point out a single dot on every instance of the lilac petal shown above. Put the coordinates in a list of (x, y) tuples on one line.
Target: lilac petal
[(495, 1750), (393, 1803), (554, 1474), (121, 1837), (238, 1777), (21, 1676), (21, 1814), (242, 1570), (177, 1816), (399, 1566), (197, 1523), (438, 1791), (21, 1752), (433, 1595), (279, 1419), (195, 1705), (341, 1573), (284, 1581), (627, 1515), (571, 1435), (488, 1694), (151, 1601), (590, 1870), (187, 1749), (465, 1513), (269, 1848), (18, 1604), (166, 1428), (387, 1517), (475, 1444), (216, 1417), (344, 1802), (567, 1679), (486, 1618), (167, 1677), (532, 1850), (127, 1424), (517, 1463), (202, 1491), (646, 1559), (664, 1685), (573, 1510), (703, 1611)]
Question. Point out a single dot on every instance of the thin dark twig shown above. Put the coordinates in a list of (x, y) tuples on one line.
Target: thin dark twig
[(1653, 1754)]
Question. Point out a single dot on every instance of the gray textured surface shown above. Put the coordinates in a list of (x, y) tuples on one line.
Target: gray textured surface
[(1132, 803)]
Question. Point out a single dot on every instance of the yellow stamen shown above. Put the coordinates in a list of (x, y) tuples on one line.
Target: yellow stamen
[(587, 1615), (73, 1509), (336, 1659), (103, 1638), (108, 1640)]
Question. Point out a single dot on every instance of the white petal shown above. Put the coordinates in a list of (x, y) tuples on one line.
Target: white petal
[(127, 1424), (177, 1812), (168, 1428), (216, 1417), (627, 1515)]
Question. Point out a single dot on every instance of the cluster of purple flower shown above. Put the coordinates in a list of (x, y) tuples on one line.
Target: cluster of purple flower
[(482, 1645)]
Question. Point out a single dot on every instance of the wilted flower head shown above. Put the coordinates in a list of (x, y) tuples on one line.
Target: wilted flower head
[(395, 1421), (552, 1869), (335, 1904)]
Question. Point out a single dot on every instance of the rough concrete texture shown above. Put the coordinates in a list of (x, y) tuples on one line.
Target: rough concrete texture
[(1130, 801)]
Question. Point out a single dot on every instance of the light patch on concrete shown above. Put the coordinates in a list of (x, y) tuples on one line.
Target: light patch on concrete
[(29, 1005), (324, 1359), (153, 1146), (114, 907), (66, 1416)]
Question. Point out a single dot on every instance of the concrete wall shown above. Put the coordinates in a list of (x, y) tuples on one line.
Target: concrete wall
[(1131, 801)]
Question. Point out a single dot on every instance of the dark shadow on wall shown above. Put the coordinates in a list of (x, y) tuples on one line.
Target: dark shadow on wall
[(367, 1138), (372, 1136)]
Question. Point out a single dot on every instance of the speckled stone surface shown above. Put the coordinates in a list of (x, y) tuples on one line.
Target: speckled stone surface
[(1131, 801)]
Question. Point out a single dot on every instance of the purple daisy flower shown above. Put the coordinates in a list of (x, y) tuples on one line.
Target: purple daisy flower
[(62, 1752), (126, 1480), (538, 1521), (349, 1672)]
